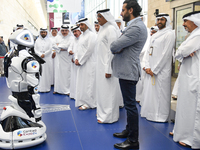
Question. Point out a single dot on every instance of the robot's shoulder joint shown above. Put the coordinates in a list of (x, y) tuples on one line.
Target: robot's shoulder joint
[(30, 65)]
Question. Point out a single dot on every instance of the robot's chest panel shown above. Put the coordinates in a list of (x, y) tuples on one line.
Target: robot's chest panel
[(16, 64)]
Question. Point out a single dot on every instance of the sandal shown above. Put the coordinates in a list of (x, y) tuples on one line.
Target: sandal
[(84, 107), (171, 133), (174, 97), (184, 145), (99, 121), (55, 93)]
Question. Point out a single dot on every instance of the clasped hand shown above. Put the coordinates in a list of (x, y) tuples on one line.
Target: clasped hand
[(148, 71), (77, 63)]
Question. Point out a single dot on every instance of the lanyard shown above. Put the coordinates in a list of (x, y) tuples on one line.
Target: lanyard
[(153, 80)]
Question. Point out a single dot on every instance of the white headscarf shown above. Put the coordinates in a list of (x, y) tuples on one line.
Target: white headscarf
[(167, 29), (143, 18), (52, 30), (75, 28), (64, 27), (122, 23), (96, 22), (166, 16), (44, 29), (86, 21), (109, 17), (19, 26), (194, 17)]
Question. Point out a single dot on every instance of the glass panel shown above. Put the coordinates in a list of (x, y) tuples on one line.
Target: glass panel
[(117, 9), (112, 7), (92, 7), (180, 31), (197, 6)]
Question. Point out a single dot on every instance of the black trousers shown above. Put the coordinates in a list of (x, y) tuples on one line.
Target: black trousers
[(128, 89)]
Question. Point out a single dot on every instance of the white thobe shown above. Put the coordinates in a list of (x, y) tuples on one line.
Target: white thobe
[(53, 40), (175, 88), (187, 120), (85, 83), (62, 64), (44, 46), (140, 84), (157, 98), (73, 48), (108, 93)]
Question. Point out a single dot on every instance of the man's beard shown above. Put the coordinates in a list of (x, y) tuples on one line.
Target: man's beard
[(64, 34), (43, 36), (83, 29), (186, 29), (126, 17), (162, 26)]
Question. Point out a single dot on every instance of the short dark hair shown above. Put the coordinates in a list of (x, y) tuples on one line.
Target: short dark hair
[(133, 4)]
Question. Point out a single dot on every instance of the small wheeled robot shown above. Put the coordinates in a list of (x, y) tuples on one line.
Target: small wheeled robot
[(20, 123)]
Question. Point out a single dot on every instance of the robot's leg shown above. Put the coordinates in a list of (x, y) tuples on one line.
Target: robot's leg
[(37, 111)]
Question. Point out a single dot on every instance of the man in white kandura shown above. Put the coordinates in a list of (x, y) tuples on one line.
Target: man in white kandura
[(187, 121), (43, 48), (140, 84), (62, 61), (120, 24), (85, 59), (72, 51), (157, 83), (54, 32), (96, 27), (108, 93)]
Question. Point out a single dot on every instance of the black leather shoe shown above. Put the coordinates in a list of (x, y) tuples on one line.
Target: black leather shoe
[(123, 134), (127, 145)]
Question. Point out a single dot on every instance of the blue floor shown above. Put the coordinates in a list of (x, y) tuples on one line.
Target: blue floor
[(79, 130)]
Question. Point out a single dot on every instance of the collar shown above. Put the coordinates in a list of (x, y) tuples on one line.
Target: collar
[(194, 31), (133, 20), (106, 24), (86, 31)]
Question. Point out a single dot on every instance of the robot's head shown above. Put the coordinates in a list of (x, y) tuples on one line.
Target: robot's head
[(22, 37)]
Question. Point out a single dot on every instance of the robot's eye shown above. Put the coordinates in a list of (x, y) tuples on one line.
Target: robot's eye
[(37, 75)]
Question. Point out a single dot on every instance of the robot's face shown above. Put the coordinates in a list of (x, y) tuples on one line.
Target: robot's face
[(22, 37)]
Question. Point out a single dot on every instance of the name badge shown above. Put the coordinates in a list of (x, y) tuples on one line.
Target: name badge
[(151, 50)]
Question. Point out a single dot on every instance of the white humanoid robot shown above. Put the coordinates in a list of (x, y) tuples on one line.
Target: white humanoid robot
[(20, 124)]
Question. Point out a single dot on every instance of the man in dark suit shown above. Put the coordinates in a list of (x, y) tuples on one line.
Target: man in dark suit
[(3, 48), (126, 67)]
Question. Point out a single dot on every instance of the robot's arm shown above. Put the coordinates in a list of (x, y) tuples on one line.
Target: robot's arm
[(32, 68)]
